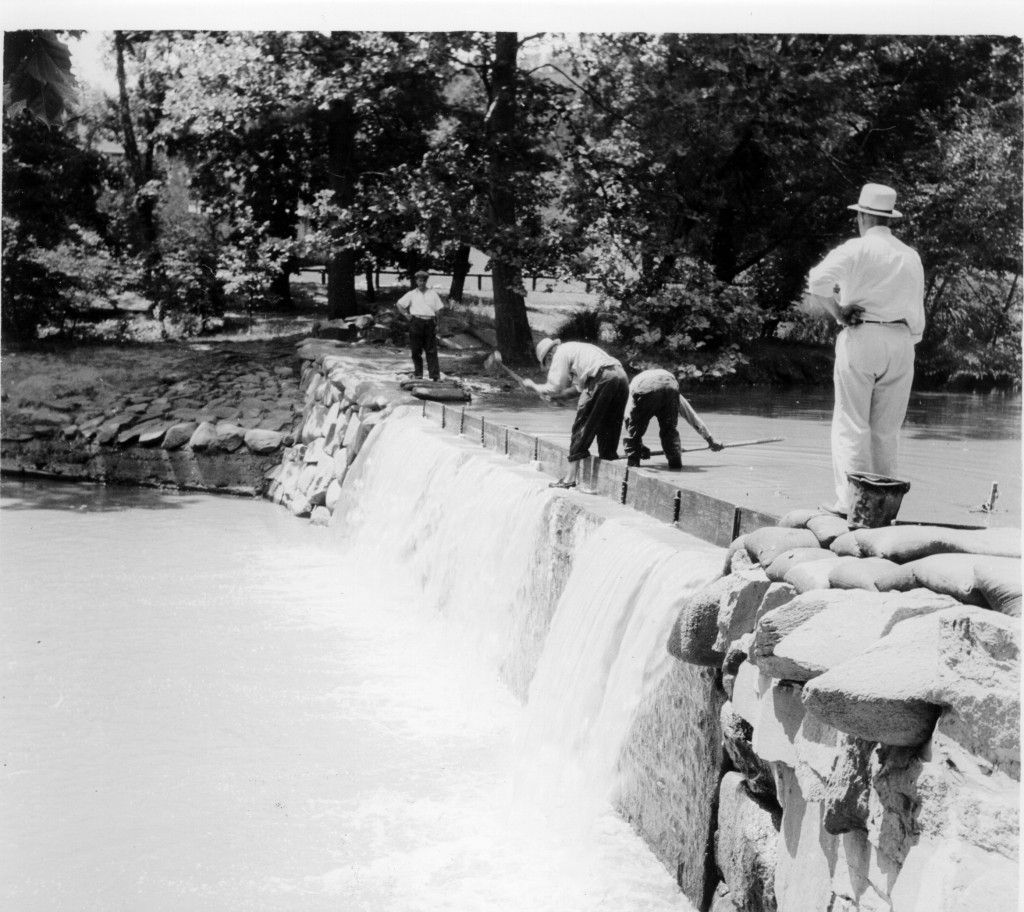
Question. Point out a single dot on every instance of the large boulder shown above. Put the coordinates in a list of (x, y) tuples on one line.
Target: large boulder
[(979, 683), (738, 606), (774, 625), (746, 846), (736, 739), (695, 631), (838, 633), (894, 691)]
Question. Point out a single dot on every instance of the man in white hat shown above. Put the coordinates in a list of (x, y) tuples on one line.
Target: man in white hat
[(421, 305), (584, 370), (874, 287)]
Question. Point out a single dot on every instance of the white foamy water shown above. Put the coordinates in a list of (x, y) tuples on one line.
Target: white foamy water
[(209, 705)]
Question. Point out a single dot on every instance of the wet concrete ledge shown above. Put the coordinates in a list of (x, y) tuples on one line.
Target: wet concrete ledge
[(707, 518)]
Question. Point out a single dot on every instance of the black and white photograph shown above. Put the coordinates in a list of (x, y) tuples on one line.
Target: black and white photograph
[(511, 457)]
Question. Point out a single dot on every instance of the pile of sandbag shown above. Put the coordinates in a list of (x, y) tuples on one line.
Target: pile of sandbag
[(810, 550)]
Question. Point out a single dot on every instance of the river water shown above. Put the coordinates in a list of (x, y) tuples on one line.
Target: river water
[(953, 447), (209, 705)]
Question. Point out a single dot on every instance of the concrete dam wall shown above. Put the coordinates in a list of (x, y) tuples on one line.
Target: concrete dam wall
[(793, 716)]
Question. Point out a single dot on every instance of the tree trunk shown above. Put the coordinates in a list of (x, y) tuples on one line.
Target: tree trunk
[(341, 268), (139, 168), (460, 269), (371, 289), (515, 341)]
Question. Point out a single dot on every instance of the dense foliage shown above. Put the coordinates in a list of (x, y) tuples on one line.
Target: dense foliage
[(691, 179)]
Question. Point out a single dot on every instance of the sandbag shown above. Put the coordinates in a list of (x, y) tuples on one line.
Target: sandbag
[(899, 579), (827, 527), (797, 519), (948, 574), (999, 581), (846, 545), (765, 544), (906, 543), (813, 574), (861, 574), (776, 571)]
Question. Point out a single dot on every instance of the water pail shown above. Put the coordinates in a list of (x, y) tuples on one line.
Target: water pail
[(874, 499)]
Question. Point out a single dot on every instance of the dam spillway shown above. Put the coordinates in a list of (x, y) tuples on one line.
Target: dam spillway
[(778, 830), (571, 603)]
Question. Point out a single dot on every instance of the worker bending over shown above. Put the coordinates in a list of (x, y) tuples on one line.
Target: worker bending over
[(655, 394), (584, 370)]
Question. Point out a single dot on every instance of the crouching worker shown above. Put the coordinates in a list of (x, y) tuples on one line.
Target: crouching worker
[(655, 394), (584, 370)]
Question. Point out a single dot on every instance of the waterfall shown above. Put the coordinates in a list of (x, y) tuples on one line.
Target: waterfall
[(571, 599)]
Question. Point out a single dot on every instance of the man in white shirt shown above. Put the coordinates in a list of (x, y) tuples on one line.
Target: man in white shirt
[(584, 370), (655, 394), (874, 286), (421, 306)]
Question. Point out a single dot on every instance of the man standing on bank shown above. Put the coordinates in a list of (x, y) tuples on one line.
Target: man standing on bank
[(874, 287), (584, 370), (655, 394), (421, 305)]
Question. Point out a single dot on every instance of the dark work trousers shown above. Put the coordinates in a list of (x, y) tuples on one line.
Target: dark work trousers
[(599, 414), (423, 340), (662, 404)]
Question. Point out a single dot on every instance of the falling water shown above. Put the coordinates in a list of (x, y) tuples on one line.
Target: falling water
[(571, 599), (212, 706)]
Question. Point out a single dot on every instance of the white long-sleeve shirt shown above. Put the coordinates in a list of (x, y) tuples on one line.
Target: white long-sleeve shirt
[(877, 272), (418, 303), (573, 364)]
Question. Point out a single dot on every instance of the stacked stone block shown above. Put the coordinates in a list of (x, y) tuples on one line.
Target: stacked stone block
[(341, 406), (872, 722), (214, 432)]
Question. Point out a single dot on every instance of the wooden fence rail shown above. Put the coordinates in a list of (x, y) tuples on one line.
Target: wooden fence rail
[(479, 276)]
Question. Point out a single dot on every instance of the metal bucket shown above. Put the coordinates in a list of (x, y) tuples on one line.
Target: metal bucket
[(874, 499)]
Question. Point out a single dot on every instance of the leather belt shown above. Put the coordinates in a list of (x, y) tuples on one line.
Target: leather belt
[(881, 322)]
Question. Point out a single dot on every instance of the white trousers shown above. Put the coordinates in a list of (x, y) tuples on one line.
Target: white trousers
[(874, 370)]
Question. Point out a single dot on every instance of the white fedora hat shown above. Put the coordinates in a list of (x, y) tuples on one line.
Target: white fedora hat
[(544, 346), (877, 199)]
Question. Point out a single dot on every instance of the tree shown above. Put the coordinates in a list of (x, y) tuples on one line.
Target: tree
[(37, 76), (741, 152), (53, 229), (488, 179)]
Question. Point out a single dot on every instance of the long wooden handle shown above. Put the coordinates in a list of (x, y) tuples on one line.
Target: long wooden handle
[(508, 370), (737, 443)]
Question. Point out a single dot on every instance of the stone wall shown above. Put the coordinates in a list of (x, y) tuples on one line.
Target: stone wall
[(217, 431), (871, 681)]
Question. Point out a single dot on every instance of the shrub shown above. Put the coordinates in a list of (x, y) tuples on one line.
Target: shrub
[(696, 326)]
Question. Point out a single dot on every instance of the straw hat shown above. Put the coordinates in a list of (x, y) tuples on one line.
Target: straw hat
[(877, 199), (545, 346)]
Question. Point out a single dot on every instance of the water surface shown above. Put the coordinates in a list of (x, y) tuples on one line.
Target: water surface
[(205, 707)]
